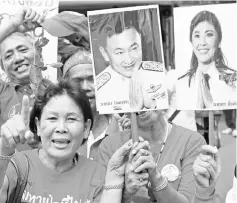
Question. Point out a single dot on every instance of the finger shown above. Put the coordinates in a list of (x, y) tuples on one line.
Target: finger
[(10, 142), (208, 166), (3, 136), (199, 170), (31, 15), (25, 110), (28, 12), (140, 161), (201, 180), (125, 121), (36, 17), (41, 18), (29, 136), (208, 149), (122, 151), (20, 128), (141, 152), (131, 155), (210, 160), (144, 166), (13, 130), (141, 145), (143, 176)]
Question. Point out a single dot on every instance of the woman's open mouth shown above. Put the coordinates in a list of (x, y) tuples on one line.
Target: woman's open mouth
[(61, 143)]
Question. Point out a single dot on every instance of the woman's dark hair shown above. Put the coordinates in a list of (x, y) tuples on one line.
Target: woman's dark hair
[(218, 55), (47, 90)]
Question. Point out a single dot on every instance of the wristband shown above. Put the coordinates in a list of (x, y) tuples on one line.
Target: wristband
[(109, 187), (2, 157), (160, 187), (204, 198)]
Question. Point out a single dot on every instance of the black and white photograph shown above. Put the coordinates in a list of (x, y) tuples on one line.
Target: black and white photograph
[(128, 59), (205, 57)]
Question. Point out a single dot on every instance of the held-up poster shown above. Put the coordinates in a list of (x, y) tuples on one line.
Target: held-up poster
[(49, 51), (205, 57), (128, 60)]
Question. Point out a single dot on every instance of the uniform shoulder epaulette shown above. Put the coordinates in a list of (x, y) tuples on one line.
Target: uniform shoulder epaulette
[(102, 79), (153, 66)]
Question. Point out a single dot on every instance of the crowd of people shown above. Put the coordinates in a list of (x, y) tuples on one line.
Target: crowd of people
[(56, 147)]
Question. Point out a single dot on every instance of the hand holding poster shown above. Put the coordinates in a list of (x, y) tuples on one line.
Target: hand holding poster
[(128, 59), (209, 81)]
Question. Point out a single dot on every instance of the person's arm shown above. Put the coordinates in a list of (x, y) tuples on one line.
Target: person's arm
[(12, 134), (15, 23), (206, 169), (161, 189), (114, 179)]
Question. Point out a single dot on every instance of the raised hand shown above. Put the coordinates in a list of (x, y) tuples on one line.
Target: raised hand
[(206, 168), (13, 130), (117, 163), (26, 19)]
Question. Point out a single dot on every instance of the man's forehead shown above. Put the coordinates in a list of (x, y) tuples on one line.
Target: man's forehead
[(81, 70), (14, 41)]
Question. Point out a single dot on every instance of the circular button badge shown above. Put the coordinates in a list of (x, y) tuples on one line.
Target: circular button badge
[(171, 172)]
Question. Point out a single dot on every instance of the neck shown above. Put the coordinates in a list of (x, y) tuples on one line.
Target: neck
[(155, 132), (204, 67), (101, 122), (20, 82), (54, 164)]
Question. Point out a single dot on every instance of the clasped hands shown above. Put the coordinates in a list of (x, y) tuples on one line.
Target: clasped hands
[(138, 167)]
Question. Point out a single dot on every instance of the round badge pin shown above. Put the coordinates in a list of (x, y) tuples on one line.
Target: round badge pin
[(171, 172)]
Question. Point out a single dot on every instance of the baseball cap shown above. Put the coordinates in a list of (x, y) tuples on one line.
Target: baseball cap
[(80, 57), (66, 23)]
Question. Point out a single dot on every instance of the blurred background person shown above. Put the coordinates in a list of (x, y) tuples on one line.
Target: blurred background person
[(230, 119)]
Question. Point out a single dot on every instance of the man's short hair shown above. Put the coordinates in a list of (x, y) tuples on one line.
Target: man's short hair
[(107, 25)]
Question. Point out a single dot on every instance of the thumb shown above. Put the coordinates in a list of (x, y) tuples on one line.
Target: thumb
[(29, 136), (122, 151)]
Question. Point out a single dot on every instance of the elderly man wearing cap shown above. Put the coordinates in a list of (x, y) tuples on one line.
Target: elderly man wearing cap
[(120, 44), (79, 66), (17, 56)]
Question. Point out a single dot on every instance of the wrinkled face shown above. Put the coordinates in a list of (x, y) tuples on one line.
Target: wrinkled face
[(204, 42), (17, 56), (84, 73), (124, 51), (146, 119), (62, 127)]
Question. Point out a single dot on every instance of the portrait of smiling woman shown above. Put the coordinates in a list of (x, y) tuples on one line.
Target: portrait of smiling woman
[(209, 83)]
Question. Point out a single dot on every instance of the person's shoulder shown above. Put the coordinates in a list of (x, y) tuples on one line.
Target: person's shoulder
[(152, 66), (5, 87), (187, 134), (116, 140)]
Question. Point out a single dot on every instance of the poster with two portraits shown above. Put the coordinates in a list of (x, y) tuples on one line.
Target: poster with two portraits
[(128, 59)]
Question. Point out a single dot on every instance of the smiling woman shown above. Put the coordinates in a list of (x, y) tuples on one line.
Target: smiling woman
[(209, 80), (62, 117)]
